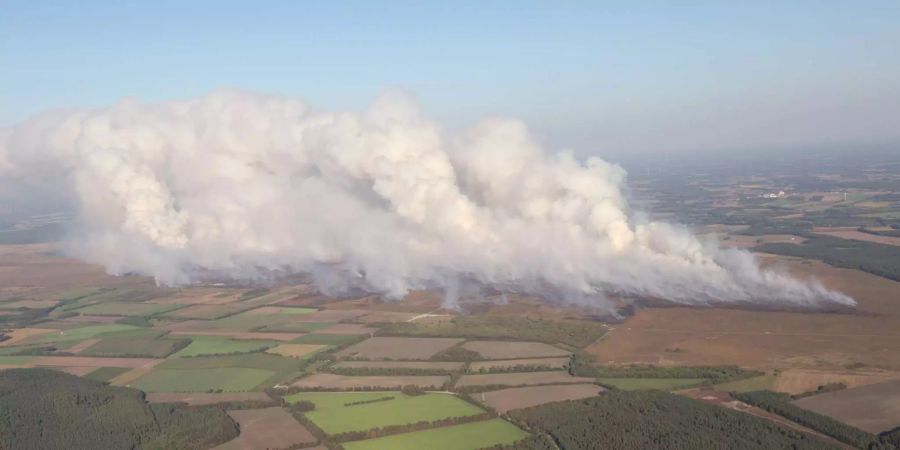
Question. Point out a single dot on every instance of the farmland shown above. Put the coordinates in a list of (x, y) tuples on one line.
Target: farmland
[(470, 436), (220, 345), (396, 348), (334, 416), (267, 428), (341, 382), (520, 379), (505, 400), (201, 380), (874, 408)]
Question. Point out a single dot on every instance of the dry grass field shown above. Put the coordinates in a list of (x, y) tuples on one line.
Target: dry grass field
[(332, 381), (398, 348), (422, 365), (520, 379), (514, 349), (797, 381), (767, 339), (267, 428), (505, 400), (873, 408)]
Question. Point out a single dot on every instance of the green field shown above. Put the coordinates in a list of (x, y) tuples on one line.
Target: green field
[(281, 368), (636, 384), (469, 436), (228, 379), (220, 345), (134, 347), (333, 417), (14, 360), (106, 373), (88, 332), (760, 383), (126, 309)]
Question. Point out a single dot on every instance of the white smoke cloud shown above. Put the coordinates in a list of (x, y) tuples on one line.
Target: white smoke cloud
[(246, 186)]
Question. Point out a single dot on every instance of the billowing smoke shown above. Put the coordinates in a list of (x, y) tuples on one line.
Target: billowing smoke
[(248, 186)]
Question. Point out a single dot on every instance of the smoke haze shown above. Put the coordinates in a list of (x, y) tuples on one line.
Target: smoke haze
[(248, 186)]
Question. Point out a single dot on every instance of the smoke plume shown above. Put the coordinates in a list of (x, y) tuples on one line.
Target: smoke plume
[(248, 186)]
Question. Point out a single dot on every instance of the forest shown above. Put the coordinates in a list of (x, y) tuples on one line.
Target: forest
[(41, 409), (652, 419)]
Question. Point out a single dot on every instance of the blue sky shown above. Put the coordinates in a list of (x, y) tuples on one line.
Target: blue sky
[(617, 76)]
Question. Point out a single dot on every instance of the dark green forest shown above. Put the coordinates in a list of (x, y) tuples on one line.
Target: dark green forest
[(653, 419), (877, 259), (45, 409)]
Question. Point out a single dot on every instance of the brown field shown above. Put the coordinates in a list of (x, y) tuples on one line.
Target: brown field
[(424, 365), (33, 266), (200, 296), (513, 349), (852, 233), (554, 363), (31, 304), (347, 328), (237, 334), (87, 361), (295, 350), (520, 379), (332, 381), (766, 339), (206, 398), (22, 334), (873, 408), (797, 381), (267, 428), (398, 348), (506, 400)]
